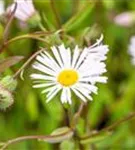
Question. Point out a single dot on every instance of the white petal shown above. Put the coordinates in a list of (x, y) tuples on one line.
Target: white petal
[(93, 69), (24, 8), (91, 88), (81, 58), (63, 54), (84, 92), (79, 94), (69, 96), (49, 61), (132, 49), (44, 69), (41, 85), (18, 13), (49, 89), (57, 56), (31, 6), (68, 58), (42, 77), (95, 79), (63, 95), (75, 56), (52, 94)]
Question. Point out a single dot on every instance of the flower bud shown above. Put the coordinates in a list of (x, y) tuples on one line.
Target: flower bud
[(34, 20), (9, 83), (6, 98), (7, 86), (25, 9)]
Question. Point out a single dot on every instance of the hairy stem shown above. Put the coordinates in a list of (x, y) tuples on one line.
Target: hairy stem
[(26, 63), (35, 36), (27, 36), (32, 137)]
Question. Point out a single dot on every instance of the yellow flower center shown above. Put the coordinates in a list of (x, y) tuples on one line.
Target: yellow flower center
[(68, 77)]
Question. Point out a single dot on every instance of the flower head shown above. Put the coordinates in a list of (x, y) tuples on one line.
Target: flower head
[(125, 19), (132, 49), (67, 73), (25, 9)]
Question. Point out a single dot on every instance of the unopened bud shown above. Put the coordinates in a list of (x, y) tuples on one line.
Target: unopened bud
[(7, 86), (6, 98), (9, 83)]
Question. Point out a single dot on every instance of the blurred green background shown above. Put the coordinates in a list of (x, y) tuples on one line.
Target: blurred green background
[(30, 114)]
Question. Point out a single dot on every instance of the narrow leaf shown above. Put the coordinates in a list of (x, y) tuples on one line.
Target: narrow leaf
[(77, 20)]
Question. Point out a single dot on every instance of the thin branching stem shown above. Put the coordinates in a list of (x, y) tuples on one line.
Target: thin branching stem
[(32, 137), (36, 36), (111, 127), (31, 36), (27, 62)]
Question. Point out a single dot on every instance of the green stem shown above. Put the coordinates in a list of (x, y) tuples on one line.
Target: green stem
[(77, 115)]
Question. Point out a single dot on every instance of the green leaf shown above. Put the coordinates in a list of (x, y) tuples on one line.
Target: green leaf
[(5, 64), (50, 26), (67, 145), (60, 130), (32, 106), (77, 20)]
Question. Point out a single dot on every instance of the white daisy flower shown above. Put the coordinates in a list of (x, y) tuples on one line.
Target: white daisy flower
[(132, 49), (67, 73), (25, 9), (2, 8)]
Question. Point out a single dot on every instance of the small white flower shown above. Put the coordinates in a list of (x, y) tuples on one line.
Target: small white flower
[(25, 9), (2, 8), (132, 49), (66, 72)]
